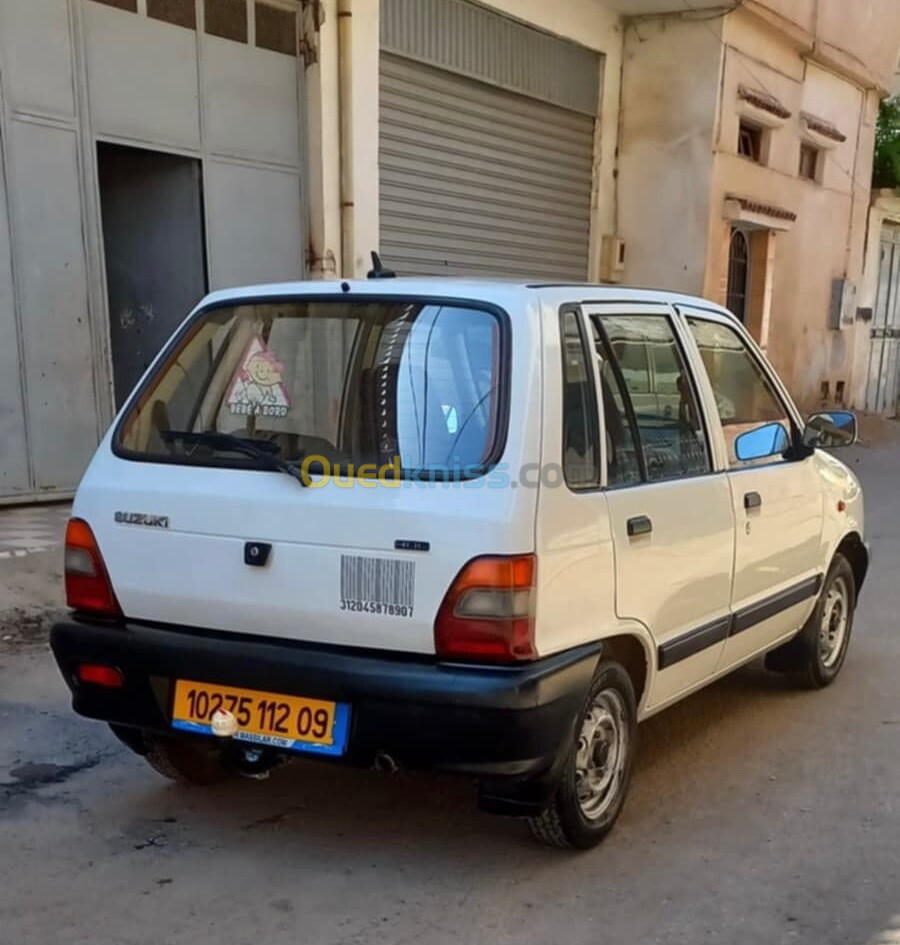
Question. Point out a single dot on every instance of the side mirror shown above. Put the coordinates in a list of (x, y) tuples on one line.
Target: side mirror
[(832, 429), (769, 440)]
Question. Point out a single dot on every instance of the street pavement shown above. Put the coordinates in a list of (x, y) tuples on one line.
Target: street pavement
[(757, 815)]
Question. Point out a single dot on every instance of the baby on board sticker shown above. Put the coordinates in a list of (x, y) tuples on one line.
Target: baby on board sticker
[(257, 389)]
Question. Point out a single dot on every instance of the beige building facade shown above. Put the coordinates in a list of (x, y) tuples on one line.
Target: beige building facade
[(747, 140)]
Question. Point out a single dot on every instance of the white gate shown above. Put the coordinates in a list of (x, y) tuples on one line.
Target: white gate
[(884, 352)]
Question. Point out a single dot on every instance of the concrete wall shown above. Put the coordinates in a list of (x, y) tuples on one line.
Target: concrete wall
[(51, 348), (670, 92), (587, 22), (857, 38)]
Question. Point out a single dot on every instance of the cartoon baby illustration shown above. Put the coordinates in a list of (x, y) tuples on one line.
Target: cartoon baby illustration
[(258, 388)]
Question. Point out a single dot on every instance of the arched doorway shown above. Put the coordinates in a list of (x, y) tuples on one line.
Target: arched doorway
[(738, 274)]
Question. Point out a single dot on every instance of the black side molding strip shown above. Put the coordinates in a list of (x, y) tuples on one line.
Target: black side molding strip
[(748, 617), (692, 642)]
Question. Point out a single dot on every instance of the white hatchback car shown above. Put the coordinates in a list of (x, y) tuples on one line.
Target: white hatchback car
[(468, 526)]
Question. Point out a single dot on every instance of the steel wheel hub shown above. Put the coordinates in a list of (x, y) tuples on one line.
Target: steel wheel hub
[(833, 627), (601, 754)]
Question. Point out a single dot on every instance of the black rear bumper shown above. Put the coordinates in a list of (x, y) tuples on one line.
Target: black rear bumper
[(509, 726)]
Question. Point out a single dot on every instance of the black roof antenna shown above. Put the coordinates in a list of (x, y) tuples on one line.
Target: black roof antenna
[(378, 271)]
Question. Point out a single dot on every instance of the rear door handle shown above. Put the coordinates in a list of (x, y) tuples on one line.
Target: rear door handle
[(752, 500), (640, 525)]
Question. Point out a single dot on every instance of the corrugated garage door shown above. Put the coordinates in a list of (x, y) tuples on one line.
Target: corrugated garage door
[(475, 178)]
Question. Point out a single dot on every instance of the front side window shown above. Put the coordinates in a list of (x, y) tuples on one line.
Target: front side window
[(666, 416), (744, 395), (581, 464), (413, 384)]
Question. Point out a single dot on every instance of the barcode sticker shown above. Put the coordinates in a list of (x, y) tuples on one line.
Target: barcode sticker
[(378, 585)]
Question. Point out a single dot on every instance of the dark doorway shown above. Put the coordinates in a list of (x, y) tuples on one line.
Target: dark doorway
[(153, 238), (738, 274)]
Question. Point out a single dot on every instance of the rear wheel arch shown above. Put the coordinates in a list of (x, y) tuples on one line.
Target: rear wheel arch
[(630, 651)]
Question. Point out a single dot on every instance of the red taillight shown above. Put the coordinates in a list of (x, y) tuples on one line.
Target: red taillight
[(99, 675), (87, 583), (488, 613)]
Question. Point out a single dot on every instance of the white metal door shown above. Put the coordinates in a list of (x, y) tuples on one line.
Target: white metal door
[(671, 514), (884, 353), (777, 502)]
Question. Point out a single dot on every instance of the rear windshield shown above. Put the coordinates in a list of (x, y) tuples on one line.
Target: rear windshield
[(413, 384)]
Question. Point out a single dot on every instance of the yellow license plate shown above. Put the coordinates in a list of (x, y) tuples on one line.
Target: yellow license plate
[(266, 718)]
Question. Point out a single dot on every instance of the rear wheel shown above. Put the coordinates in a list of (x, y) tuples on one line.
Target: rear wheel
[(598, 769), (184, 759), (815, 656)]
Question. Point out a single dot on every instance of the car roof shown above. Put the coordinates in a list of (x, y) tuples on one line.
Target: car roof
[(498, 291)]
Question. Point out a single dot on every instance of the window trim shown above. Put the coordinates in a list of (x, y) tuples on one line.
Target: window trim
[(672, 316), (593, 417), (194, 319), (687, 312)]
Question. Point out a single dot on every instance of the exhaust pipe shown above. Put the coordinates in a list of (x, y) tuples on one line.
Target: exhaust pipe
[(385, 763), (257, 763)]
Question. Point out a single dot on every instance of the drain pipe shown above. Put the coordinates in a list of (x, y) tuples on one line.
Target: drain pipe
[(345, 106)]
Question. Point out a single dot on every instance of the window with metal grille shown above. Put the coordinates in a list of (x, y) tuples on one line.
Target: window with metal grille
[(738, 274)]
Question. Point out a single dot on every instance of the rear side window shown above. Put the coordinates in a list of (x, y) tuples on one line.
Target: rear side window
[(654, 391), (581, 460), (414, 384)]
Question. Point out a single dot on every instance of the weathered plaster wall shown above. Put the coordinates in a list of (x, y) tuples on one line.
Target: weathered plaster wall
[(670, 90), (827, 240)]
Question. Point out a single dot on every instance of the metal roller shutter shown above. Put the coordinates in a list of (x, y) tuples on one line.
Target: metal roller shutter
[(481, 181)]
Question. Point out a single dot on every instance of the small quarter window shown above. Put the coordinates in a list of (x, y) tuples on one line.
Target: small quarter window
[(581, 465), (751, 139)]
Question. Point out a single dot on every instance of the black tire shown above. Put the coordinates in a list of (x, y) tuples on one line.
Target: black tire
[(567, 822), (187, 760), (814, 657)]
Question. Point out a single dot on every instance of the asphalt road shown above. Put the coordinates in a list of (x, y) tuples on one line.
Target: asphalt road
[(757, 815)]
